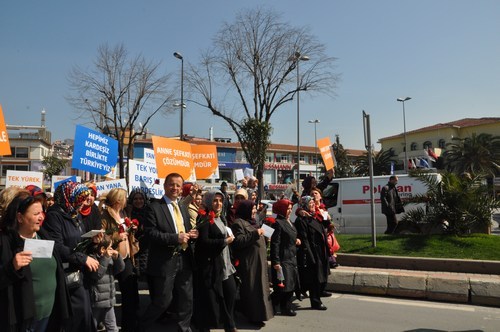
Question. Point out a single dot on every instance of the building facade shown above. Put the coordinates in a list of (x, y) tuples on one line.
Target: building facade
[(435, 138)]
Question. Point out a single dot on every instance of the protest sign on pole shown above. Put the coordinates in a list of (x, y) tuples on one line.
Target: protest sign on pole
[(4, 137), (204, 160), (324, 148), (149, 156), (23, 178), (93, 151), (105, 187), (58, 179), (172, 156), (144, 177)]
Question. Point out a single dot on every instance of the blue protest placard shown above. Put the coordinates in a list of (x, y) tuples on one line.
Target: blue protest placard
[(93, 151)]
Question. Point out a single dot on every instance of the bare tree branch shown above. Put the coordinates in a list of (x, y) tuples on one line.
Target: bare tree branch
[(252, 67), (117, 93)]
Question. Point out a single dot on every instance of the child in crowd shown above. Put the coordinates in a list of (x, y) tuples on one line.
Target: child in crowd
[(333, 245), (102, 287)]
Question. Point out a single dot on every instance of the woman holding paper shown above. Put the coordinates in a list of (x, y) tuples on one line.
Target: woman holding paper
[(122, 229), (33, 294), (249, 250), (312, 255), (284, 244), (214, 280), (64, 225)]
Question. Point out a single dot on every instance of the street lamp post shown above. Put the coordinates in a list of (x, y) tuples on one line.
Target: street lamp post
[(179, 56), (316, 121), (405, 163), (297, 57)]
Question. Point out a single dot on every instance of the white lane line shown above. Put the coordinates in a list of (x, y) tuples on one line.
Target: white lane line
[(419, 304)]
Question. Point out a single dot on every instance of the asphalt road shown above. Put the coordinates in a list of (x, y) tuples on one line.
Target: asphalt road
[(360, 313)]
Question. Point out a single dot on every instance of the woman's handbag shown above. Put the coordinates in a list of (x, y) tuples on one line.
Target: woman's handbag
[(73, 279)]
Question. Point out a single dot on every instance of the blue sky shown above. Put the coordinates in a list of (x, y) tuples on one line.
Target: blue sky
[(445, 54)]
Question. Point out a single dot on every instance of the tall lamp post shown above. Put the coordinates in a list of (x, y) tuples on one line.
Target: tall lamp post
[(315, 121), (179, 56), (297, 57), (405, 163)]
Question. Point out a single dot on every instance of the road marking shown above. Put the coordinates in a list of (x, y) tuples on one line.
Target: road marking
[(418, 304)]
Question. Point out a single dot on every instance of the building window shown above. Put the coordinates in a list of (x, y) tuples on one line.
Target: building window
[(413, 146), (19, 152), (427, 144), (6, 168), (442, 143), (284, 158), (269, 157)]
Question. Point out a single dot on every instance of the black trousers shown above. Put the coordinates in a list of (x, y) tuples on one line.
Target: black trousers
[(392, 222), (127, 281), (161, 289), (227, 310)]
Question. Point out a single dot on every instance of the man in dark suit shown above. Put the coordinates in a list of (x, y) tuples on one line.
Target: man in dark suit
[(391, 204), (170, 260)]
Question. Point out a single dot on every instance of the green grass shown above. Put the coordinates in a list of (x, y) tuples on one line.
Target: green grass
[(475, 246)]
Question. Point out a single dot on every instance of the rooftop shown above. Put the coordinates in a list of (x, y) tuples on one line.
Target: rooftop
[(462, 123)]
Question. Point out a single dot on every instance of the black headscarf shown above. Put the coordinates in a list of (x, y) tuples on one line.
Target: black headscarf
[(244, 210)]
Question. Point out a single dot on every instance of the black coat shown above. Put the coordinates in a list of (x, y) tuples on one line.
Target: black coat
[(66, 232), (284, 253), (209, 274), (17, 303), (312, 255), (390, 200), (159, 229)]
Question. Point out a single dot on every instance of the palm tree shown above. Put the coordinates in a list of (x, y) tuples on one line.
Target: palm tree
[(381, 163), (460, 202), (478, 154)]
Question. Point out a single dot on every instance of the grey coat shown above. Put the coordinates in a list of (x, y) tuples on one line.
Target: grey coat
[(102, 287)]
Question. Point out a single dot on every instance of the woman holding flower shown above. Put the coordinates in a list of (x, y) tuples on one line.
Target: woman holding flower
[(122, 229), (312, 255), (284, 244), (215, 283)]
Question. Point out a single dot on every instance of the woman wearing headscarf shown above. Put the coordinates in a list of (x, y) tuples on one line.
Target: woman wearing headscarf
[(215, 283), (91, 216), (284, 244), (136, 207), (249, 249), (312, 255), (64, 225), (116, 223), (33, 294)]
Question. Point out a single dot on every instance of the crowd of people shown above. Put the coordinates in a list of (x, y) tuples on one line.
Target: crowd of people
[(204, 255)]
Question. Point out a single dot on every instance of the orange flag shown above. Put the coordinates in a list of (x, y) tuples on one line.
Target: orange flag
[(326, 153), (4, 137), (172, 156)]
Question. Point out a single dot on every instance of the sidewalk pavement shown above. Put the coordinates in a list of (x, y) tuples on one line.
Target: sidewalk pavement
[(460, 281)]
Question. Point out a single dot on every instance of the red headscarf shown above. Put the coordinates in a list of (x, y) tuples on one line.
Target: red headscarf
[(281, 207)]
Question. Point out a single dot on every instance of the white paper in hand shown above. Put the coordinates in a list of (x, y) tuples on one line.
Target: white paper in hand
[(39, 248), (268, 231)]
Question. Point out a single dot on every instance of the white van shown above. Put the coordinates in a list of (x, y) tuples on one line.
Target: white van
[(348, 201)]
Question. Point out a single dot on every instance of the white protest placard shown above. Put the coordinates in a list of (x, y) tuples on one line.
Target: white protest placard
[(23, 178), (149, 156), (248, 172), (39, 248), (105, 187), (144, 176), (239, 174)]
